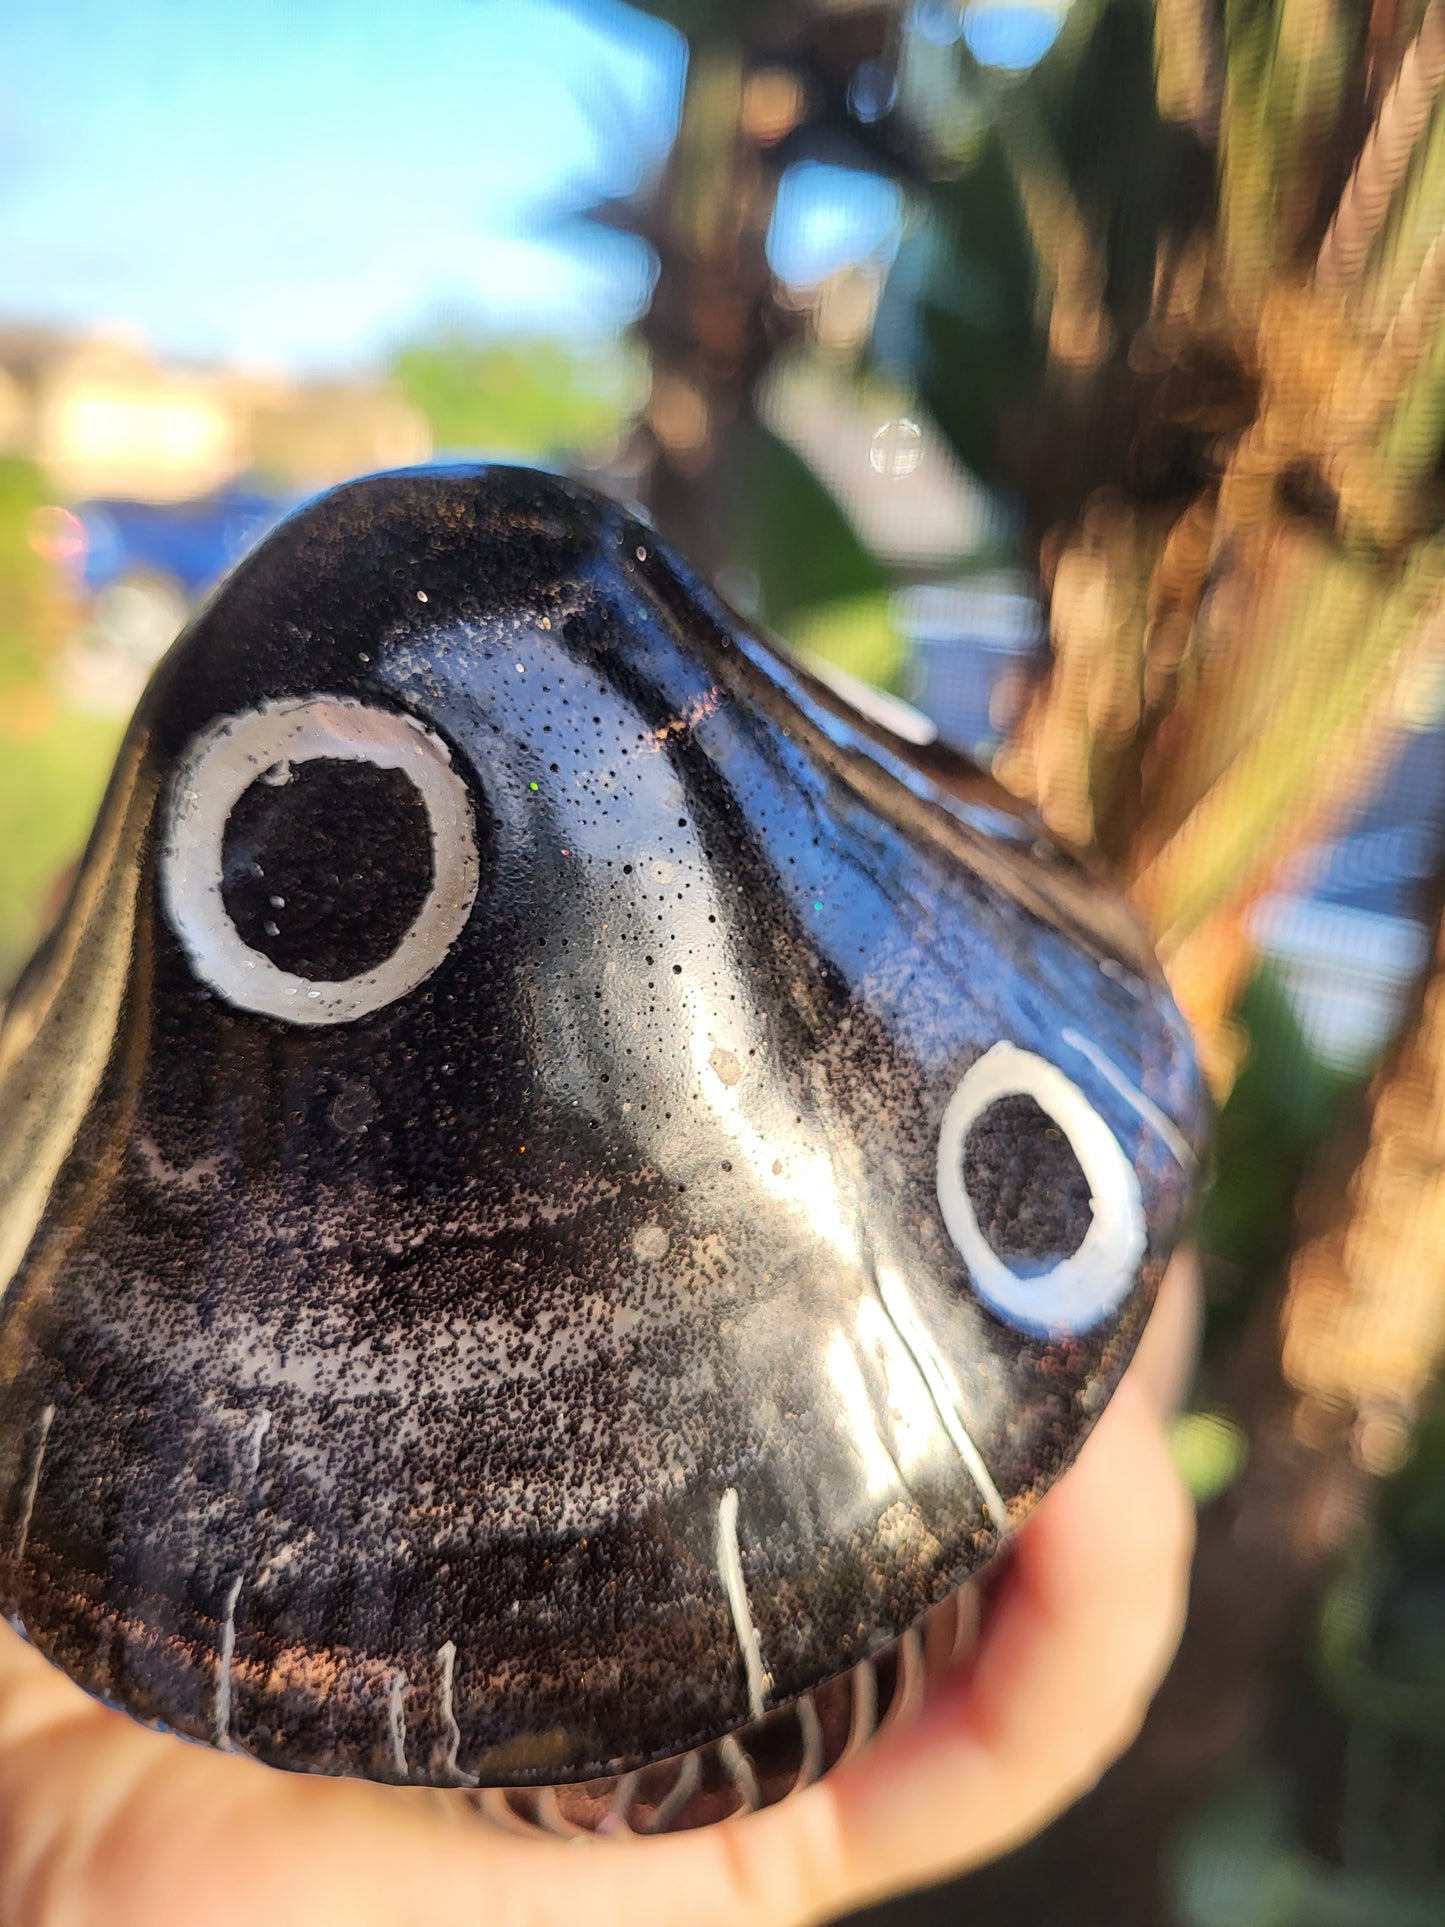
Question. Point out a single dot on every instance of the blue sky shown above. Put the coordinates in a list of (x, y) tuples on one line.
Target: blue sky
[(827, 217), (302, 184)]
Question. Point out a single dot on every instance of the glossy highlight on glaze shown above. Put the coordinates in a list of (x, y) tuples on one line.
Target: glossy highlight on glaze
[(560, 1191)]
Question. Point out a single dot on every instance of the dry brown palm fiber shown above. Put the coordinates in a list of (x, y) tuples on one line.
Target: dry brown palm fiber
[(1188, 64), (1385, 157), (1287, 785)]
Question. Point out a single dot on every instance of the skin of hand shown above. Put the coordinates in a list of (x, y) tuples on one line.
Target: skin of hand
[(105, 1824)]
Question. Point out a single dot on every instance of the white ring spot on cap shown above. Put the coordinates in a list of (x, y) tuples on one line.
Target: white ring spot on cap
[(1079, 1290), (219, 767)]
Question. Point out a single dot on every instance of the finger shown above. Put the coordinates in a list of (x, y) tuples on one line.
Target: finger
[(1164, 1364), (101, 1820), (1088, 1619)]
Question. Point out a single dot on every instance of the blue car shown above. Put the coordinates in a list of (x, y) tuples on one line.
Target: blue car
[(188, 544), (143, 566)]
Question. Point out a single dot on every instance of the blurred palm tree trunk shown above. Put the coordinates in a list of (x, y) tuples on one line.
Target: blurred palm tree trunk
[(767, 84), (712, 325)]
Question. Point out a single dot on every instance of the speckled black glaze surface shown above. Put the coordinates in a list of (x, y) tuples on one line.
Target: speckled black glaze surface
[(563, 1362)]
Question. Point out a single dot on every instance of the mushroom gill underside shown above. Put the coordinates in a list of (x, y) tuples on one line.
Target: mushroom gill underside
[(791, 1747)]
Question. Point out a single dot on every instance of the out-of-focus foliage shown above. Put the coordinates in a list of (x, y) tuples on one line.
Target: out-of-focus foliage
[(1280, 1108), (978, 312), (28, 612), (857, 635), (518, 398), (797, 538), (1357, 1841), (53, 765), (1209, 1449), (54, 774)]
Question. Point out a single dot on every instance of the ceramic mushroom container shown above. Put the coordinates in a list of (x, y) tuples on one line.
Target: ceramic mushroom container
[(560, 1191)]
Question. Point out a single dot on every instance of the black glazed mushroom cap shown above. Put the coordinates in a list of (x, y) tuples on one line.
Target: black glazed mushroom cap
[(559, 1191)]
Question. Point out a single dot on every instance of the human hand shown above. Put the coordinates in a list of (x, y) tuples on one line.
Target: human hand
[(104, 1824)]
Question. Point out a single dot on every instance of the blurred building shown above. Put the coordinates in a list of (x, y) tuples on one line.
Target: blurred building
[(103, 417)]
